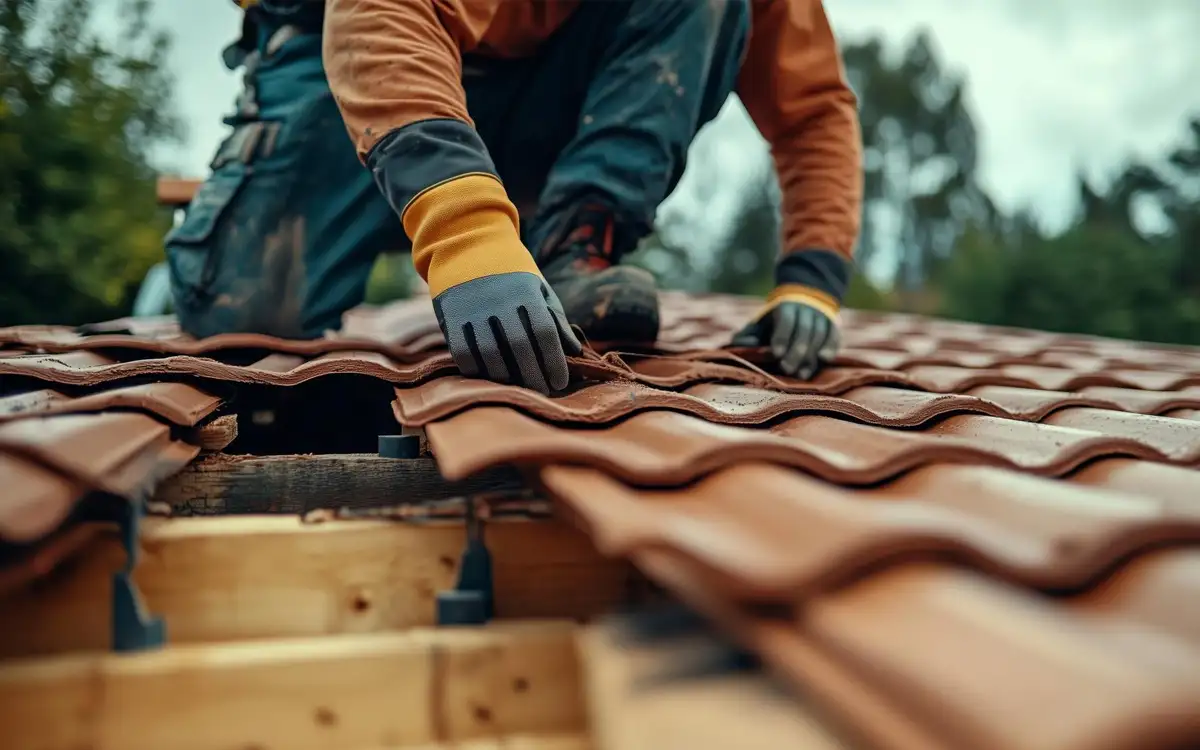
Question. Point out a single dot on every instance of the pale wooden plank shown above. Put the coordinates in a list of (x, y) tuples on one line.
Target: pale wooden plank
[(570, 741), (230, 578), (218, 434), (386, 690), (658, 695)]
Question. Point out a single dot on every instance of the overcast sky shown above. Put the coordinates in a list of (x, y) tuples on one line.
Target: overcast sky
[(1054, 84)]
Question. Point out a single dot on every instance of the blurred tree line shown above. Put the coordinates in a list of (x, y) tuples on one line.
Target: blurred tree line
[(954, 253), (81, 115)]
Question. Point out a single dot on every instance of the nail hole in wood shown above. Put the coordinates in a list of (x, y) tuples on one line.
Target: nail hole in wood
[(324, 717)]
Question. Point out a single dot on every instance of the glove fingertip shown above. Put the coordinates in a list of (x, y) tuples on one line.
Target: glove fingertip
[(786, 322), (557, 371)]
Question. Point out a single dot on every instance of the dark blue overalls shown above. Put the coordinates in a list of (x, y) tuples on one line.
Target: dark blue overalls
[(282, 236)]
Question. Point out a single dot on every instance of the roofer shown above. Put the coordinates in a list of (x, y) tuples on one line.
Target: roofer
[(519, 149)]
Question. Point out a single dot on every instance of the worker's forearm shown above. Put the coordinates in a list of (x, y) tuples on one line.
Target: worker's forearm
[(395, 70), (820, 175), (390, 64), (795, 89)]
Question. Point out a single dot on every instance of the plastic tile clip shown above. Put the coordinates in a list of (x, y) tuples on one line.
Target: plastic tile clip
[(471, 601), (133, 628), (400, 446)]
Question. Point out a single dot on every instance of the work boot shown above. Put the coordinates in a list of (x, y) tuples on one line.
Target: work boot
[(608, 302)]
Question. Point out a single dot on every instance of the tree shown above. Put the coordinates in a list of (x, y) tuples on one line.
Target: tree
[(920, 157), (746, 264), (1102, 275), (1181, 204), (79, 118), (1092, 279)]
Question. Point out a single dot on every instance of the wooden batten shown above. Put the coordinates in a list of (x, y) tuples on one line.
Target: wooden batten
[(248, 577), (299, 484), (424, 688)]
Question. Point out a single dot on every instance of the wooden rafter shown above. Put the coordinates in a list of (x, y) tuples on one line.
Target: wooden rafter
[(249, 577), (407, 690)]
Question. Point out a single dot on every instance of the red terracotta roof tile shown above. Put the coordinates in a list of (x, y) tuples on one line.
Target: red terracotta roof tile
[(953, 529), (36, 500), (663, 447), (87, 368), (124, 454), (957, 536), (715, 402), (176, 402), (924, 656), (1146, 402), (768, 533), (55, 449)]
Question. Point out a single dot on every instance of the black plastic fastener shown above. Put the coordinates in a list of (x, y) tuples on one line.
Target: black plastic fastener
[(472, 600), (400, 446), (455, 607), (133, 628)]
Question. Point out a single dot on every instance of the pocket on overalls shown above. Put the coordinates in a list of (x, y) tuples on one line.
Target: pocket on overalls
[(193, 247), (191, 252)]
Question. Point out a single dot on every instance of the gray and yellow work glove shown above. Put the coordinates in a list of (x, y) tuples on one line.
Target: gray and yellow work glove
[(800, 324), (500, 317)]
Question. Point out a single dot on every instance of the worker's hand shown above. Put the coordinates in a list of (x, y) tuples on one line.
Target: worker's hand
[(801, 328), (500, 317), (508, 327)]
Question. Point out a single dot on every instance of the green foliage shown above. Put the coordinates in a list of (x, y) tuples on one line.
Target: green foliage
[(920, 154), (863, 295), (921, 189), (391, 279), (747, 263), (79, 116), (1091, 279), (1100, 276), (956, 254)]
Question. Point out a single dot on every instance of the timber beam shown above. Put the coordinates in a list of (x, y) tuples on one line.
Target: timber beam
[(229, 578), (420, 689), (223, 484)]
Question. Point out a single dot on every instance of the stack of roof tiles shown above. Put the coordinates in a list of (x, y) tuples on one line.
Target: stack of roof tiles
[(959, 536)]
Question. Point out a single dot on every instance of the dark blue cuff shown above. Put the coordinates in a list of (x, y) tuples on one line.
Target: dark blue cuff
[(823, 270), (410, 160)]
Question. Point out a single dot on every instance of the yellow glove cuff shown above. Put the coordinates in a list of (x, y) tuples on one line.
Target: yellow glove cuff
[(464, 229), (805, 295)]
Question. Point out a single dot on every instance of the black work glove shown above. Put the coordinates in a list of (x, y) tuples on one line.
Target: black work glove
[(803, 337)]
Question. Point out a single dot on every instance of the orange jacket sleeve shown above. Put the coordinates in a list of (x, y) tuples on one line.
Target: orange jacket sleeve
[(793, 85), (395, 70)]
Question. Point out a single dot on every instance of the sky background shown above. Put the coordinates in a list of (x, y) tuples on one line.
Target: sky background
[(1054, 85)]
